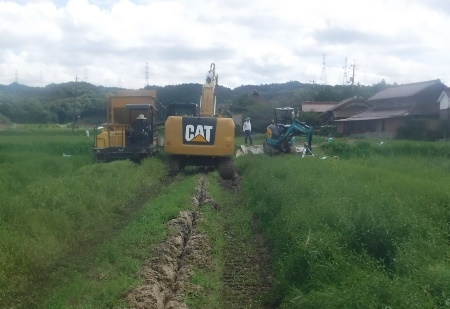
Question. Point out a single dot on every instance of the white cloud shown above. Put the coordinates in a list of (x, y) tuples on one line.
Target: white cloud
[(251, 42)]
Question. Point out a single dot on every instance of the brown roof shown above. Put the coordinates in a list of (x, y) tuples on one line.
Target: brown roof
[(344, 109), (343, 113), (377, 114), (348, 101), (319, 107), (405, 90)]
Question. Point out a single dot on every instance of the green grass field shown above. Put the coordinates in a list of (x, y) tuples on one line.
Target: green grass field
[(57, 207), (370, 230)]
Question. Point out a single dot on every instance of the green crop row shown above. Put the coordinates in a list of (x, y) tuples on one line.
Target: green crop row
[(56, 216), (56, 205), (103, 277), (360, 233), (391, 148)]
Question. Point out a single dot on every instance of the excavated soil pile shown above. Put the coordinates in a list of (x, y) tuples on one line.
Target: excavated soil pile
[(166, 276)]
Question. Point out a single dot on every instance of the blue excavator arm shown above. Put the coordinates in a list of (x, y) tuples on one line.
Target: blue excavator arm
[(298, 128)]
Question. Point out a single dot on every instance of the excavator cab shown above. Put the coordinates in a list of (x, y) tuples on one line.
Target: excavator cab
[(140, 127), (282, 120), (182, 109), (284, 115)]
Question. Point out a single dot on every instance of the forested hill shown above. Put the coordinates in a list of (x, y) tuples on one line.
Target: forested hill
[(84, 102)]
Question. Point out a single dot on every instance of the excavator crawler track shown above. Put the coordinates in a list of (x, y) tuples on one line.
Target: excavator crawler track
[(226, 168)]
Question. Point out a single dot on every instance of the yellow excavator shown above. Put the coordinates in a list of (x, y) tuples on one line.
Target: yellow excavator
[(199, 137)]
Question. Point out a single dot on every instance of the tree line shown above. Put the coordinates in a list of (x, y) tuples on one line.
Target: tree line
[(86, 103)]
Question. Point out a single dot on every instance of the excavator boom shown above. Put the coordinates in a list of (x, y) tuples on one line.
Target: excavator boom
[(208, 98), (298, 128)]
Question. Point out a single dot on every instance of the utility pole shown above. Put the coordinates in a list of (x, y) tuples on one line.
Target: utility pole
[(74, 105), (313, 89), (323, 77), (354, 67), (146, 74)]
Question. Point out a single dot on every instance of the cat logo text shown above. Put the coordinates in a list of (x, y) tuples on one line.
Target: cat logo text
[(201, 134), (199, 131)]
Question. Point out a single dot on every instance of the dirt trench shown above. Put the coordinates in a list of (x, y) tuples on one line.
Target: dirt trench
[(166, 277)]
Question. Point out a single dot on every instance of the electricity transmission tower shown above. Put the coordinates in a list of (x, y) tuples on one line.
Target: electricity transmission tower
[(345, 78)]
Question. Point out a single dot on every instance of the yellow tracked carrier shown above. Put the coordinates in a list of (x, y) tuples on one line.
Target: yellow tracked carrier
[(130, 131)]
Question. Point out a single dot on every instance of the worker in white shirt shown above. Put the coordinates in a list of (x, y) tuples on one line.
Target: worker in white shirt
[(247, 128)]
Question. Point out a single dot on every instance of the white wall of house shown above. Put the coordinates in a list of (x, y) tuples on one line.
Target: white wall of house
[(444, 101)]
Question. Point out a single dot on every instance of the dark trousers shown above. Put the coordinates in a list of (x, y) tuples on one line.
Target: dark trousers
[(247, 135)]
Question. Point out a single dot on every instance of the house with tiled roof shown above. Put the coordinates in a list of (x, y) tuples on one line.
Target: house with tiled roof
[(345, 109), (394, 107)]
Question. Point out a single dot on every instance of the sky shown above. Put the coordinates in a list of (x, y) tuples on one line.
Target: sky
[(128, 44)]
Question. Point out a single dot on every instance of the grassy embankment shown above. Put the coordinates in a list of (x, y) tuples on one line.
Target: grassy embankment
[(369, 231)]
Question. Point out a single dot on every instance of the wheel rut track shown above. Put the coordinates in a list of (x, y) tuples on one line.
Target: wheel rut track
[(247, 276)]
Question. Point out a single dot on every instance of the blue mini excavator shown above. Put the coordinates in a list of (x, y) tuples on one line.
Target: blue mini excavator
[(280, 134)]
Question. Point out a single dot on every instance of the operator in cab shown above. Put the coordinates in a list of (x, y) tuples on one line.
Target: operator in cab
[(140, 128)]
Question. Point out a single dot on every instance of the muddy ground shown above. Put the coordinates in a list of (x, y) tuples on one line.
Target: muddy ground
[(166, 277)]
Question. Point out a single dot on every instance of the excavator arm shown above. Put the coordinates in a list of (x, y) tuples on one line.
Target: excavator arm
[(208, 98), (295, 129)]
